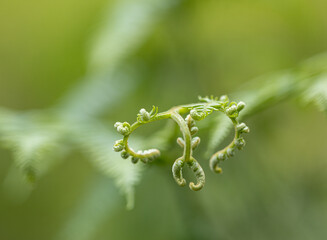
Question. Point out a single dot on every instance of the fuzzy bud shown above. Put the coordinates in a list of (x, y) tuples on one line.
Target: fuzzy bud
[(195, 142), (240, 143), (230, 152), (124, 154), (190, 121), (197, 116), (134, 160), (123, 128), (194, 130), (119, 145), (221, 156), (144, 115), (231, 110), (246, 129), (240, 126), (240, 106)]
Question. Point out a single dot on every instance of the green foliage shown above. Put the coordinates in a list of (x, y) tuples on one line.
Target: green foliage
[(41, 139), (307, 82), (94, 141), (36, 141), (195, 112)]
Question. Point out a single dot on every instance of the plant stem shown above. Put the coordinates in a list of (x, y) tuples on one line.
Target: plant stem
[(186, 135)]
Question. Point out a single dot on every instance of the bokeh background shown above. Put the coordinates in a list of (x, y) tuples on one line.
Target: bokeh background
[(275, 189)]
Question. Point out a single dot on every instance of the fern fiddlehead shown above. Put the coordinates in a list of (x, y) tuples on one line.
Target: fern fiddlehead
[(195, 112)]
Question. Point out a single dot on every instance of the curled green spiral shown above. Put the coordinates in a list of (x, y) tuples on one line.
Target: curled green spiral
[(194, 112)]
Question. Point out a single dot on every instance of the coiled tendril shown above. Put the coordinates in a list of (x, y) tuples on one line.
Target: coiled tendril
[(195, 112)]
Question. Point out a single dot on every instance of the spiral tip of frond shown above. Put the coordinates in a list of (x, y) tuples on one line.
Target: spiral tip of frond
[(197, 115), (199, 174), (196, 187), (144, 116), (215, 167), (177, 172), (181, 182), (123, 128), (214, 162), (218, 169)]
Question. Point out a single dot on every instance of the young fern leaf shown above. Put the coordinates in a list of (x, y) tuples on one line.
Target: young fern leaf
[(94, 139), (125, 27), (36, 143), (194, 112)]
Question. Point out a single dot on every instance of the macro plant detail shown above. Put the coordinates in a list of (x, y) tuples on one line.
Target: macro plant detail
[(56, 135), (194, 112)]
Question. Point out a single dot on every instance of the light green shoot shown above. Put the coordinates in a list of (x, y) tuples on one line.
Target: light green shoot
[(194, 112)]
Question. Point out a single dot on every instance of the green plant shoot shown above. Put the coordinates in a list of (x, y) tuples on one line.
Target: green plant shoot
[(194, 112)]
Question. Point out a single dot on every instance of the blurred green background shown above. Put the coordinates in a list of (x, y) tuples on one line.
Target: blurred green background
[(275, 189)]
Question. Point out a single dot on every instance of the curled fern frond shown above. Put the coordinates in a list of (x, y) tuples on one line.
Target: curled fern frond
[(123, 128), (126, 129), (145, 116), (199, 174), (177, 172), (193, 112)]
